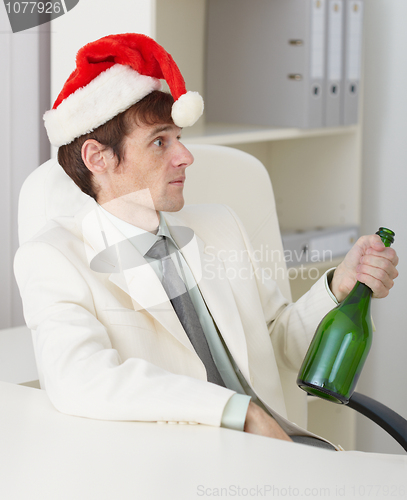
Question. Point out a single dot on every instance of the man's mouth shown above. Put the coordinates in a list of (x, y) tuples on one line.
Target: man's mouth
[(178, 182)]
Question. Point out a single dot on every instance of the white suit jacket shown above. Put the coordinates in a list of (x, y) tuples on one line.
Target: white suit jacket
[(108, 343)]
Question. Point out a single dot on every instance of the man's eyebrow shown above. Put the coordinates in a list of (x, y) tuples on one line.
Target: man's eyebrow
[(159, 129)]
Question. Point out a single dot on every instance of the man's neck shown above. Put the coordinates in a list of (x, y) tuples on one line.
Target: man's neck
[(135, 208)]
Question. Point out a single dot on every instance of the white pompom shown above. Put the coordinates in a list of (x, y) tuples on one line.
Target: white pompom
[(187, 109)]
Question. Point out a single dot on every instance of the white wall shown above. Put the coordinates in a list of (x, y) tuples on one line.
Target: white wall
[(24, 96), (384, 202), (90, 20)]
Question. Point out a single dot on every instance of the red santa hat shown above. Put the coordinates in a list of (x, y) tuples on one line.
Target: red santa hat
[(111, 75)]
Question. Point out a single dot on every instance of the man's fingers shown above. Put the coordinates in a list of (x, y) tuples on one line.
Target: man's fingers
[(377, 280), (387, 253), (376, 265), (378, 288), (369, 241), (369, 262), (259, 422)]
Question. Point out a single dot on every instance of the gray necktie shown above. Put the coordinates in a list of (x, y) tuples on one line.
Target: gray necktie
[(178, 294)]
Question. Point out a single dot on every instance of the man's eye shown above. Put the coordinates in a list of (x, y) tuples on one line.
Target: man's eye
[(158, 142)]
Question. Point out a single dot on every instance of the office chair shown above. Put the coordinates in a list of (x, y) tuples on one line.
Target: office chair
[(218, 175), (226, 175)]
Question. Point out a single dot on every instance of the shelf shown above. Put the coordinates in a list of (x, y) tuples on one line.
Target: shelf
[(320, 265), (228, 134), (303, 277)]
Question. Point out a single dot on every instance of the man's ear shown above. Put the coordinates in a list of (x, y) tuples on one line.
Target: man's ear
[(97, 157)]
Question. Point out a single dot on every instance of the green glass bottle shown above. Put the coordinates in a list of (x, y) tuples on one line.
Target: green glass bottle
[(338, 351)]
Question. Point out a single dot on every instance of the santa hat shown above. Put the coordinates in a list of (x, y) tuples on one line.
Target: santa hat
[(111, 75)]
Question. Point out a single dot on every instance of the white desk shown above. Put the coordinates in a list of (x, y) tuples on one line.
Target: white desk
[(45, 455)]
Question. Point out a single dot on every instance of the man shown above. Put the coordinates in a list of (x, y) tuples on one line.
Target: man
[(121, 331)]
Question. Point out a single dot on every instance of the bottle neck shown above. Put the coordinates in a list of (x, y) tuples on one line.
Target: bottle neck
[(360, 294)]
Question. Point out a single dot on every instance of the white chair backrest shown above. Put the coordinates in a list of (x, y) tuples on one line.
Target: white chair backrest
[(46, 193), (219, 175), (226, 175)]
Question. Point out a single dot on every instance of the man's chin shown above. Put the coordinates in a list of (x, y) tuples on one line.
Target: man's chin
[(174, 207)]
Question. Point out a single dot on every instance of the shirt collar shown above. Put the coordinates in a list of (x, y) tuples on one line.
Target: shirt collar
[(142, 240)]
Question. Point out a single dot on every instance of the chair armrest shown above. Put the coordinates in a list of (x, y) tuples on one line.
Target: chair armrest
[(389, 420)]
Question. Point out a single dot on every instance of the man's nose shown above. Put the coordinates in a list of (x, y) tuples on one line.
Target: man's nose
[(183, 156)]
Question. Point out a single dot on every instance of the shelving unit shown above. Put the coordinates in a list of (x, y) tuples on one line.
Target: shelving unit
[(315, 172), (231, 134)]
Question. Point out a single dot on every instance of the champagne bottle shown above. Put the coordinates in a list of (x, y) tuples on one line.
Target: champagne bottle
[(338, 351)]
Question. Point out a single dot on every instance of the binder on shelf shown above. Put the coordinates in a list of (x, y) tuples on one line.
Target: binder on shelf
[(266, 62), (318, 245), (353, 31), (334, 62)]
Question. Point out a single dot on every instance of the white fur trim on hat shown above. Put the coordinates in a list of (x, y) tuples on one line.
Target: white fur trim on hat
[(187, 109), (110, 93)]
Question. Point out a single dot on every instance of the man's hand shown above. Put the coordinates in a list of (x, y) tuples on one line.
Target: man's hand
[(258, 422), (369, 262)]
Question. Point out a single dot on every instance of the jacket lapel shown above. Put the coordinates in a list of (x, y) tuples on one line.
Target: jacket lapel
[(215, 290), (109, 251)]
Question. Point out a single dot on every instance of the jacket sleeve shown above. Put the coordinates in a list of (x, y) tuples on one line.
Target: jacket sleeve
[(81, 371), (291, 325)]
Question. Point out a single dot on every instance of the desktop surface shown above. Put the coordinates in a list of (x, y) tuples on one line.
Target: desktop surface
[(47, 455)]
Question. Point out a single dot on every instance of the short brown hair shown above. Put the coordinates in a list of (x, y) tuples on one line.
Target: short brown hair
[(152, 109)]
